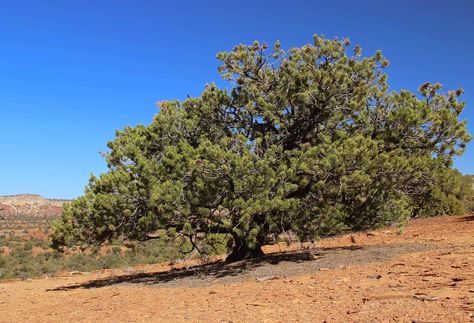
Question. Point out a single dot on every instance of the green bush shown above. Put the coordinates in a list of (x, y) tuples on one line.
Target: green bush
[(450, 193)]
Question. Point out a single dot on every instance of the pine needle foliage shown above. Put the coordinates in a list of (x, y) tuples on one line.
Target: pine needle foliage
[(309, 140)]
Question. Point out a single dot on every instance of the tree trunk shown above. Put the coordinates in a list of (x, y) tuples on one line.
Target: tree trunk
[(241, 251)]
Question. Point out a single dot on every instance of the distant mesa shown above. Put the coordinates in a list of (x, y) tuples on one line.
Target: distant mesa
[(30, 205)]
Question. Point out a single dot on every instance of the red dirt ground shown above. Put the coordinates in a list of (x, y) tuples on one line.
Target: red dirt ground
[(425, 274)]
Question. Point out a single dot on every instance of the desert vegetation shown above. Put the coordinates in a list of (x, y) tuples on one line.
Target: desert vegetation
[(310, 141), (25, 251)]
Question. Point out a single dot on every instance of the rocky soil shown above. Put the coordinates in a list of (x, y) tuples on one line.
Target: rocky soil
[(423, 274)]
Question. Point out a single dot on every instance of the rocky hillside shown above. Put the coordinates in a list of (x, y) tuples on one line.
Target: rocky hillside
[(30, 205)]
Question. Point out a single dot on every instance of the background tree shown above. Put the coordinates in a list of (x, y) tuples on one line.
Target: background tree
[(448, 193), (309, 140)]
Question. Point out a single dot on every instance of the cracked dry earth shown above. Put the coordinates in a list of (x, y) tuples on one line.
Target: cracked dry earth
[(425, 274)]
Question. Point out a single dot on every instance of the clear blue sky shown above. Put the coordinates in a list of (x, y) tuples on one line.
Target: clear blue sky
[(71, 72)]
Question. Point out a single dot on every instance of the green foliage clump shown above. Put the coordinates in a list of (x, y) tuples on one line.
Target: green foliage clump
[(308, 140), (449, 193), (468, 187)]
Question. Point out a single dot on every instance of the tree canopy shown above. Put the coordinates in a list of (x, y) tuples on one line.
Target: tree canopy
[(309, 140)]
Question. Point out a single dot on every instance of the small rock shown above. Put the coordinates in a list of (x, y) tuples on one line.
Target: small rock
[(262, 279), (212, 292), (76, 273), (387, 296), (129, 269), (425, 298)]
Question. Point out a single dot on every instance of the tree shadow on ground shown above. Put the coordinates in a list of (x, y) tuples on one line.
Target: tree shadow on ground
[(467, 218), (282, 264), (210, 272)]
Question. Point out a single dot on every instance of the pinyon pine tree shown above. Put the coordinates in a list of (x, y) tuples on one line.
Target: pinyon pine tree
[(309, 141)]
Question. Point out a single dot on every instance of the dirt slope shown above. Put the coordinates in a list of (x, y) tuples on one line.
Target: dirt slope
[(425, 274)]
